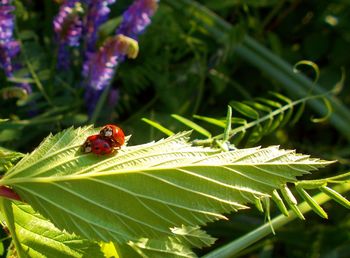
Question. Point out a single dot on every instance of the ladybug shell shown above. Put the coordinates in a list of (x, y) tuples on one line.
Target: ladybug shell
[(97, 145), (113, 134)]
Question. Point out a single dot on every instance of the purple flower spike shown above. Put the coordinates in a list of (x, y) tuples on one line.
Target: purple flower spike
[(8, 46), (100, 66), (98, 12), (68, 29), (67, 24), (6, 26), (8, 50), (137, 17)]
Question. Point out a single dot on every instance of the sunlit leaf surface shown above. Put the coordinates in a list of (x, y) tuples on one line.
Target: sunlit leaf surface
[(148, 194)]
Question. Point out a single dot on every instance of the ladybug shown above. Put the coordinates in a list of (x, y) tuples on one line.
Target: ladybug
[(113, 134), (98, 145)]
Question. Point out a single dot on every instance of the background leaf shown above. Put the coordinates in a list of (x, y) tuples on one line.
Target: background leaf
[(40, 238), (8, 158)]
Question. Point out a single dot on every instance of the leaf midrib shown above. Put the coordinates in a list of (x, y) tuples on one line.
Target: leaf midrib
[(11, 181)]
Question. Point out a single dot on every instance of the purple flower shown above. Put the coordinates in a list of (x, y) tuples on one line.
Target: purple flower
[(6, 26), (137, 17), (100, 66), (68, 30), (8, 50), (97, 14), (9, 47)]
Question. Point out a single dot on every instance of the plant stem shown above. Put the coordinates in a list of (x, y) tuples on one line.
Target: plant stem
[(235, 247), (8, 193), (35, 76), (100, 103)]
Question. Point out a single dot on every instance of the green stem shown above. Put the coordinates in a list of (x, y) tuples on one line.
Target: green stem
[(101, 102), (297, 84), (35, 76), (272, 14), (235, 247)]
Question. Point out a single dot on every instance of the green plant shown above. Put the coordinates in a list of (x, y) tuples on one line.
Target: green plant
[(174, 197), (186, 187)]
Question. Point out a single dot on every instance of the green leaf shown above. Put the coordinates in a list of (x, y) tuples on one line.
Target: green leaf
[(211, 120), (255, 135), (8, 158), (192, 125), (154, 248), (166, 247), (279, 202), (298, 113), (244, 109), (313, 204), (289, 112), (147, 191), (2, 248), (270, 102), (8, 219), (291, 201), (40, 238), (158, 126), (259, 205), (336, 196)]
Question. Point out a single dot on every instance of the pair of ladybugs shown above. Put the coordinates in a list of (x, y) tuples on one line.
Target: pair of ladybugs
[(110, 138)]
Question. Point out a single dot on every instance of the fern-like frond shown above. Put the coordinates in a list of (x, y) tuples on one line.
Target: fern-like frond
[(250, 121)]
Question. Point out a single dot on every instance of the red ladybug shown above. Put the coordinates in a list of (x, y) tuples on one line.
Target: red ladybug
[(96, 144), (114, 135)]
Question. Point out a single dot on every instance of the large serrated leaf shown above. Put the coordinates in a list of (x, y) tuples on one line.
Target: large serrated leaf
[(148, 190)]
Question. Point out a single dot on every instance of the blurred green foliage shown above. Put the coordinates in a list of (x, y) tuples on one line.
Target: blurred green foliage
[(182, 69)]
